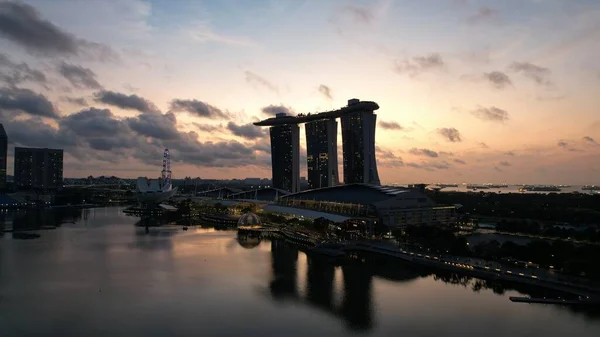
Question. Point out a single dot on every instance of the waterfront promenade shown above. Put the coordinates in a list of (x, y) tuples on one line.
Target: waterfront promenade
[(480, 268)]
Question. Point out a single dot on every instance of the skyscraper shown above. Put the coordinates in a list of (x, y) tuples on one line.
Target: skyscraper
[(3, 154), (321, 153), (40, 169), (285, 156), (358, 146)]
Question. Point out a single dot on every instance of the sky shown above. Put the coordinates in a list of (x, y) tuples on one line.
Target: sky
[(469, 90)]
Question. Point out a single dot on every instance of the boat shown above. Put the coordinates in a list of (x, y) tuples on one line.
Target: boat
[(590, 188), (477, 187)]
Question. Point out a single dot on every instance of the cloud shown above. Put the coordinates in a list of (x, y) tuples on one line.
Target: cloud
[(450, 134), (460, 161), (155, 125), (390, 125), (430, 166), (535, 73), (504, 163), (419, 64), (208, 127), (22, 24), (326, 91), (80, 77), (99, 129), (257, 80), (509, 153), (273, 110), (483, 145), (387, 158), (248, 131), (75, 100), (424, 152), (26, 101), (589, 140), (562, 144), (491, 114), (498, 79), (123, 101), (13, 73), (197, 108), (483, 14)]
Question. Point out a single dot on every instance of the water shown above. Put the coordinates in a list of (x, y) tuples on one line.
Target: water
[(103, 276)]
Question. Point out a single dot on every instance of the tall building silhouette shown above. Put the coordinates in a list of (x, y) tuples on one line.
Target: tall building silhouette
[(3, 154), (321, 153), (358, 145), (40, 169), (285, 156), (358, 138)]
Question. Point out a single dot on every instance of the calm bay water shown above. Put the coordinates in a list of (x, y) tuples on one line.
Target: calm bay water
[(103, 276)]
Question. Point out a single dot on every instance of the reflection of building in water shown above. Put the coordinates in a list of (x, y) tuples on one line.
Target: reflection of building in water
[(321, 286), (356, 306), (284, 259), (320, 282), (31, 219)]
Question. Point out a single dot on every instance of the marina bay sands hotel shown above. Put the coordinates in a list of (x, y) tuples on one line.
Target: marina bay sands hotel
[(358, 145)]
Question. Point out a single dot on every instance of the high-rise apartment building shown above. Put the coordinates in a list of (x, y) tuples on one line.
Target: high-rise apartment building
[(285, 156), (321, 153), (358, 146), (3, 154), (40, 169)]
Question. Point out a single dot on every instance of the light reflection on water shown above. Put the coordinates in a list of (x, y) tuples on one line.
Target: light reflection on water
[(104, 276)]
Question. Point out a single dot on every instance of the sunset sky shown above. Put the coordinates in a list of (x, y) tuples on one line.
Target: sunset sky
[(469, 90)]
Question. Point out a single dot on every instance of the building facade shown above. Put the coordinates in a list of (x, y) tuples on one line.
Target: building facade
[(285, 156), (358, 146), (321, 153), (39, 169), (3, 155)]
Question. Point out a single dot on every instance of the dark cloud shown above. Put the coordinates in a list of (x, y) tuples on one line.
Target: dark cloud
[(483, 145), (492, 114), (504, 163), (155, 125), (563, 144), (257, 80), (460, 161), (248, 131), (390, 125), (75, 100), (450, 134), (483, 14), (273, 110), (78, 76), (13, 73), (424, 152), (123, 101), (22, 24), (498, 79), (197, 108), (263, 146), (510, 153), (444, 153), (535, 73), (419, 64), (99, 129), (589, 140), (326, 91), (33, 132), (26, 101)]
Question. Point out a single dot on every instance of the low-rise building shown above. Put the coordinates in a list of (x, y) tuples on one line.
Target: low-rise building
[(390, 206)]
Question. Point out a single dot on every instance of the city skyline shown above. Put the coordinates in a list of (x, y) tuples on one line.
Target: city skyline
[(469, 91)]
